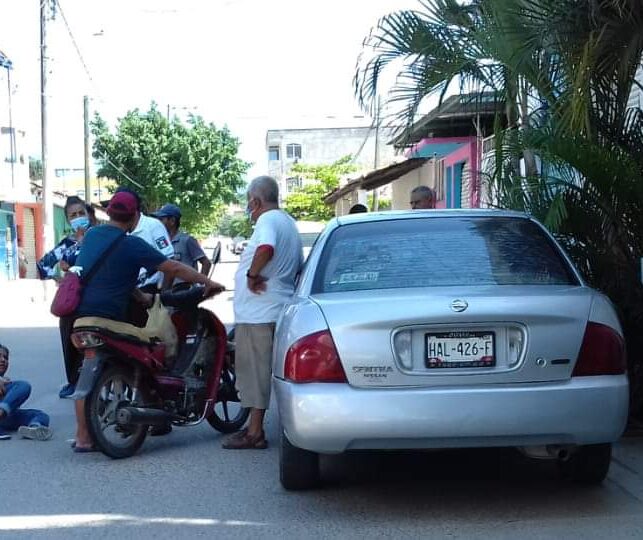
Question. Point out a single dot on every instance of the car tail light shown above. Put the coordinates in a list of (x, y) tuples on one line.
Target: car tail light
[(602, 352), (314, 358), (86, 340)]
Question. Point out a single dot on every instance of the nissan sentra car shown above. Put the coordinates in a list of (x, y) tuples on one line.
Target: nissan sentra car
[(479, 332)]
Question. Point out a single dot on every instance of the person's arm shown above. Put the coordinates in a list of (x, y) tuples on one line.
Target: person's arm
[(176, 269), (196, 253), (263, 255), (47, 265), (206, 265)]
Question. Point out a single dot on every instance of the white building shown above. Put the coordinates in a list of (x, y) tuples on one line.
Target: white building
[(322, 146)]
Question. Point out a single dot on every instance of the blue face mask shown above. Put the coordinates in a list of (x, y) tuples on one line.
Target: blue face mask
[(81, 222)]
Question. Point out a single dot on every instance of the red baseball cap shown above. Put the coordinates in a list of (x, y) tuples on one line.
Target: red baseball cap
[(122, 204)]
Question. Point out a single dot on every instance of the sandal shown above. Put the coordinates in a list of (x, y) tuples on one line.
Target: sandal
[(83, 449), (243, 441)]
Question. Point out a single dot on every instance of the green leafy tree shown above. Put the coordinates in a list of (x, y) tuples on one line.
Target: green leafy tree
[(564, 70), (35, 169), (237, 225), (307, 203), (382, 204), (193, 164)]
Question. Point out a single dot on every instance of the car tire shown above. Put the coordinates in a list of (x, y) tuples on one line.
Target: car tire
[(298, 468), (588, 465)]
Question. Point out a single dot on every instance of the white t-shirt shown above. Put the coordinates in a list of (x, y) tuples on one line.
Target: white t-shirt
[(277, 229), (155, 234)]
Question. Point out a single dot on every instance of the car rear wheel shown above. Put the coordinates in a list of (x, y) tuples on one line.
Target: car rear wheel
[(588, 465), (298, 468)]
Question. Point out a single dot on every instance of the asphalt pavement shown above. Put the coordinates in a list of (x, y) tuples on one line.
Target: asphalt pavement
[(184, 485)]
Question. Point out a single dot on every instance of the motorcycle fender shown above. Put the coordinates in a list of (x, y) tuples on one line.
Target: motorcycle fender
[(89, 373)]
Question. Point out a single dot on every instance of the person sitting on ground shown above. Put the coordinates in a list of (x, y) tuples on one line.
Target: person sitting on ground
[(358, 208), (108, 293), (30, 423), (81, 217), (186, 248), (422, 198)]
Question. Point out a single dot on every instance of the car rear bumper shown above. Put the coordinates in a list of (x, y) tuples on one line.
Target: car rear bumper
[(331, 418)]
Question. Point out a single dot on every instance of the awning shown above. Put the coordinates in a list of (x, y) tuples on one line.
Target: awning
[(377, 178), (4, 61), (338, 193)]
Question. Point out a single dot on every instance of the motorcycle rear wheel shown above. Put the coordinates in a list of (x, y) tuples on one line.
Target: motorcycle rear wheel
[(114, 388), (227, 414)]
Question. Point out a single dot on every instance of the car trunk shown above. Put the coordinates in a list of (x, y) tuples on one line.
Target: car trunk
[(457, 336)]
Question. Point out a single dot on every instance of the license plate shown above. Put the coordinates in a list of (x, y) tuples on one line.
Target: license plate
[(460, 350)]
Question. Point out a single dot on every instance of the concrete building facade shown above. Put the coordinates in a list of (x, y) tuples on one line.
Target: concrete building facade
[(19, 215), (322, 146)]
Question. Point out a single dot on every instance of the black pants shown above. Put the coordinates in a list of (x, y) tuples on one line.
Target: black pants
[(73, 358)]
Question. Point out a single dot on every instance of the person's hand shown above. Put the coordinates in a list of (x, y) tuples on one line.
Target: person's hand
[(3, 390), (212, 288), (257, 284), (64, 266), (146, 299)]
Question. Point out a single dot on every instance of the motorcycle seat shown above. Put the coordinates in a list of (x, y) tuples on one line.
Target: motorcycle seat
[(117, 327)]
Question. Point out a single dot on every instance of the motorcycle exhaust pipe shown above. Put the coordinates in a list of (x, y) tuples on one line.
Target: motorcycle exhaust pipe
[(141, 415)]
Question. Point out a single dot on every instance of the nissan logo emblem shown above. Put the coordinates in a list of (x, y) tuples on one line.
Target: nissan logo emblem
[(459, 305)]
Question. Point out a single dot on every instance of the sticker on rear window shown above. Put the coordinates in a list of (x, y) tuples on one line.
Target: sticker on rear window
[(357, 277)]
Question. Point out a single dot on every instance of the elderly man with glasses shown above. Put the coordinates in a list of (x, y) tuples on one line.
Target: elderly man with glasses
[(422, 198)]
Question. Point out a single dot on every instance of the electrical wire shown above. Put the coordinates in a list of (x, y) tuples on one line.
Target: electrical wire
[(77, 48)]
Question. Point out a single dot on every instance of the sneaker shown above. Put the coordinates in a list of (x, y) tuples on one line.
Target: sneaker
[(66, 391), (4, 436), (36, 433)]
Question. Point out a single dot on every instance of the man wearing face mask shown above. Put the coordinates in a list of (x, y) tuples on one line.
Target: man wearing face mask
[(264, 283)]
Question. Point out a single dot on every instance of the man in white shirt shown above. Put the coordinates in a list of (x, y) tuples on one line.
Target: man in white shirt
[(264, 283), (155, 234)]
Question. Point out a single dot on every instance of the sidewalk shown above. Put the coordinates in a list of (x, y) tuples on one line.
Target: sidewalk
[(27, 291)]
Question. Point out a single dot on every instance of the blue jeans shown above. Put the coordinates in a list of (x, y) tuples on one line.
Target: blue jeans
[(16, 394)]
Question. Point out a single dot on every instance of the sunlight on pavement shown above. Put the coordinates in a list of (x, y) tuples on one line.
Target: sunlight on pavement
[(62, 521)]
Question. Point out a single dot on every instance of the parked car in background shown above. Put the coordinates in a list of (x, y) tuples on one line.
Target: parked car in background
[(308, 232), (238, 245), (479, 332)]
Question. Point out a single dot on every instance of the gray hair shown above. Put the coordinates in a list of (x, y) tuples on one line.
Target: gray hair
[(425, 192), (264, 188)]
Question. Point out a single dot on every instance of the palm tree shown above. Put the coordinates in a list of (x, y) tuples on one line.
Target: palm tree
[(565, 69)]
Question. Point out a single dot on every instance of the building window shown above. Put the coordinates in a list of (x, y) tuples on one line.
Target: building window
[(293, 183), (293, 151), (11, 154), (273, 153)]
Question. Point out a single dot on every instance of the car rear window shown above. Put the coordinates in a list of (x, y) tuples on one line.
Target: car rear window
[(440, 252)]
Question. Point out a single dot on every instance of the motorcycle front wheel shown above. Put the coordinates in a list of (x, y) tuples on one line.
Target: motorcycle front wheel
[(114, 388)]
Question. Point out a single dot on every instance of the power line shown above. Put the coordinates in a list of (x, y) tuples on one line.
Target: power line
[(80, 55), (106, 157)]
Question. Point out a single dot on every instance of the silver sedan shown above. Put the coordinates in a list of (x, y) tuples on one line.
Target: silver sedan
[(447, 329)]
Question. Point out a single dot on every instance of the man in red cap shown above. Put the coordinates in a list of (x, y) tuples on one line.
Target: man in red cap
[(108, 292)]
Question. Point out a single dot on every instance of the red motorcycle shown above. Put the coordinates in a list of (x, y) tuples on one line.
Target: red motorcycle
[(130, 384)]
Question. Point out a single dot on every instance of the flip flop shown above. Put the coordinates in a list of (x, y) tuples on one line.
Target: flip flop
[(83, 449)]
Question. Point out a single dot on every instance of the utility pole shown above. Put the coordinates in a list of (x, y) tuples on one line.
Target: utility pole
[(376, 164), (88, 190), (47, 192)]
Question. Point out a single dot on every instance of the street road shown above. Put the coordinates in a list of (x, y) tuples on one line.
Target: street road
[(185, 485)]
